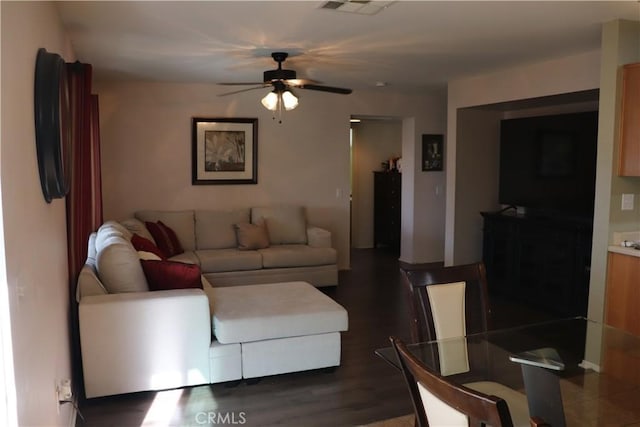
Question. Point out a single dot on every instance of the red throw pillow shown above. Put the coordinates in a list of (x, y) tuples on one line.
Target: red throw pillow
[(142, 244), (164, 275), (165, 238)]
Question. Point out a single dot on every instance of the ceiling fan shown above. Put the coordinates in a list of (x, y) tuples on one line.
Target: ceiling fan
[(282, 81)]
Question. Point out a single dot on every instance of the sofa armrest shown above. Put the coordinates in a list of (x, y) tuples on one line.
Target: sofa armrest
[(88, 283), (318, 237), (144, 341)]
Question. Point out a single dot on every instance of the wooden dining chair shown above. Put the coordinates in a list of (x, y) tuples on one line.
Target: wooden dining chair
[(446, 302), (451, 302), (437, 401)]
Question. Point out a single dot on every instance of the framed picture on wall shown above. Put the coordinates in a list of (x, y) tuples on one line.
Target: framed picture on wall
[(432, 153), (224, 151)]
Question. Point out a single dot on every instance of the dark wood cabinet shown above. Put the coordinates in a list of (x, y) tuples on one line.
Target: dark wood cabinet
[(541, 261), (387, 190)]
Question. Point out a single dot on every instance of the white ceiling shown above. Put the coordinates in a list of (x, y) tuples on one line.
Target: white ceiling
[(411, 45)]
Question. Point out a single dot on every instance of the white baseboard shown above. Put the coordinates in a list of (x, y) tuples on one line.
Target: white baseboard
[(73, 414)]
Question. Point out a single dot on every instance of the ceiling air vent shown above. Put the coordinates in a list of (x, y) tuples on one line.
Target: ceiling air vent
[(332, 5), (361, 7)]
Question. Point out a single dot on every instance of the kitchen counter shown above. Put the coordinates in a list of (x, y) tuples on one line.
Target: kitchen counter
[(619, 237), (624, 251)]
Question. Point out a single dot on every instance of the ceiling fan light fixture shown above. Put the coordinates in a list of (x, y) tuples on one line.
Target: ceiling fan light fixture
[(270, 101), (289, 100), (280, 98)]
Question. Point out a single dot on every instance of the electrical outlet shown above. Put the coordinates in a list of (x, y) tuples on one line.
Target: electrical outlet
[(64, 391), (627, 202)]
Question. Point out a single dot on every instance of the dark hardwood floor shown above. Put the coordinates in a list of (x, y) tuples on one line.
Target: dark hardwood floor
[(362, 390)]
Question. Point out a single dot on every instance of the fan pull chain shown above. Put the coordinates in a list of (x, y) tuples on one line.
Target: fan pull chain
[(279, 109)]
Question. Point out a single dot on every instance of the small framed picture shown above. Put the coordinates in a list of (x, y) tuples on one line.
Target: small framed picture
[(224, 151), (432, 153)]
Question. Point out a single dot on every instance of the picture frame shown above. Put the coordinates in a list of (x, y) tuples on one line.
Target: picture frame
[(224, 151), (432, 153)]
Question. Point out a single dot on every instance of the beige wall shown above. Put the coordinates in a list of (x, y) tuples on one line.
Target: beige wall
[(146, 151), (600, 69), (477, 170), (423, 203), (628, 51), (34, 231), (374, 141), (570, 74), (620, 45)]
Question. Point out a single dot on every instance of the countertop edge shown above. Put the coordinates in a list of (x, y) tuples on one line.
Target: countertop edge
[(625, 251)]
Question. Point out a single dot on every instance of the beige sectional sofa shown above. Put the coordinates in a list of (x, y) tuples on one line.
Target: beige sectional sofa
[(297, 250), (133, 339)]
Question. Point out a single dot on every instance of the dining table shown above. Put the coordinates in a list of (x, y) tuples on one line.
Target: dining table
[(573, 371)]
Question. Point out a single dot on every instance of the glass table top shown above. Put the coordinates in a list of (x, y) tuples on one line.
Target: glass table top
[(598, 366)]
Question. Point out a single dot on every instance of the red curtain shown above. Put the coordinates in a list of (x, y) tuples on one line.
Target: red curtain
[(84, 201)]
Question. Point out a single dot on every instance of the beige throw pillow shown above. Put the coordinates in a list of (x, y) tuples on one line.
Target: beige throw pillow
[(251, 236)]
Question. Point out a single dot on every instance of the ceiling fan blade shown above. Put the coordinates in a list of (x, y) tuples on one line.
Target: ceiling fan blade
[(241, 84), (243, 90), (300, 82), (331, 89), (280, 79)]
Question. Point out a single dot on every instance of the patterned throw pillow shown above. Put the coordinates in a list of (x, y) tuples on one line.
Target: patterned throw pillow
[(165, 238), (163, 275)]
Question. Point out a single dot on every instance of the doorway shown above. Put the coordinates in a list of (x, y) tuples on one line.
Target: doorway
[(375, 141)]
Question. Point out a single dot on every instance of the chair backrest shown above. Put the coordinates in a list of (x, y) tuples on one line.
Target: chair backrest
[(446, 302), (438, 401)]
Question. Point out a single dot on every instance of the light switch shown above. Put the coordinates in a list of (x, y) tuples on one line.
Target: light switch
[(627, 202)]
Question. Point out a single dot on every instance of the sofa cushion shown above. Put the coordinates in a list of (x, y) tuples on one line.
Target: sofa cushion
[(276, 310), (181, 222), (116, 226), (286, 224), (214, 229), (218, 260), (92, 253), (252, 236), (188, 257), (144, 255), (118, 265), (106, 231), (296, 256), (165, 238), (135, 226), (146, 245), (163, 275)]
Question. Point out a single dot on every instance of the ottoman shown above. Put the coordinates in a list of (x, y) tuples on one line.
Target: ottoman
[(281, 327)]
